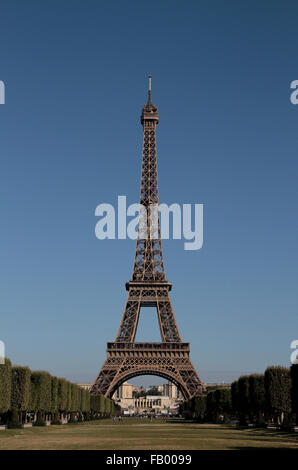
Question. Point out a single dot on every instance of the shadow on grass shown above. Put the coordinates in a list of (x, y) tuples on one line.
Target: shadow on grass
[(245, 449)]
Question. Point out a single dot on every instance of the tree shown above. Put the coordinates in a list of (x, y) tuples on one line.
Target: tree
[(40, 395), (198, 405), (85, 402), (153, 391), (140, 393), (294, 390), (87, 398), (75, 402), (235, 397), (102, 405), (257, 404), (113, 408), (219, 405), (211, 407), (82, 403), (62, 395), (5, 386), (68, 401), (75, 395), (95, 404), (243, 399), (108, 407), (20, 393), (181, 408), (223, 400), (186, 409), (278, 393), (54, 400)]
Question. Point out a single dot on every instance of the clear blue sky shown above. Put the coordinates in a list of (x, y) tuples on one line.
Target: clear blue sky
[(75, 76)]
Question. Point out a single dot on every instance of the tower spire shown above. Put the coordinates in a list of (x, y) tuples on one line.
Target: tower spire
[(149, 112), (149, 90)]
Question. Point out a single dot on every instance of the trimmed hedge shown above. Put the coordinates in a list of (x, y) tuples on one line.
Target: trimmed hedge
[(20, 395), (40, 399), (294, 391), (20, 388), (257, 402), (5, 385), (37, 392), (278, 393), (54, 395), (271, 397), (62, 395), (68, 395), (243, 399)]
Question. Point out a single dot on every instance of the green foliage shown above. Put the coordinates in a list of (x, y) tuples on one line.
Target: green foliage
[(5, 385), (153, 391), (99, 405), (211, 388), (257, 403), (102, 406), (20, 388), (85, 401), (186, 409), (252, 398), (235, 396), (219, 405), (243, 399), (223, 399), (182, 407), (40, 393), (81, 399), (95, 403), (197, 406), (141, 393), (54, 394), (62, 395), (75, 398), (108, 407), (294, 389), (68, 401), (278, 391), (211, 406)]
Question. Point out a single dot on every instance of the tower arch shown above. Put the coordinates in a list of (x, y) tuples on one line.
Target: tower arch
[(127, 376)]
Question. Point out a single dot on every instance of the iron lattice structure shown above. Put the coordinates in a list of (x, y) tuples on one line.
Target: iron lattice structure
[(148, 287)]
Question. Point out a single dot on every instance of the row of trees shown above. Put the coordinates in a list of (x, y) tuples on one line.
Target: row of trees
[(270, 398), (214, 406), (143, 393), (26, 395)]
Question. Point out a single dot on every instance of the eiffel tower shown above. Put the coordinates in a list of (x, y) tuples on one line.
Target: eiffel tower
[(148, 288)]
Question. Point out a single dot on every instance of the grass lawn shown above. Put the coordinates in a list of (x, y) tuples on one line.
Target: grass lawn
[(141, 434)]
